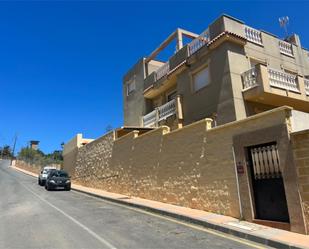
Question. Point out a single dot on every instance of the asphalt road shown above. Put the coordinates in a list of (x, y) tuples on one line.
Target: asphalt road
[(31, 217)]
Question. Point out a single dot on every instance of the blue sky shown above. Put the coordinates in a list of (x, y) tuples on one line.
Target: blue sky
[(61, 63)]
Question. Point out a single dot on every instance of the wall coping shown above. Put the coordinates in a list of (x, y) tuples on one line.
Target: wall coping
[(257, 116), (300, 132)]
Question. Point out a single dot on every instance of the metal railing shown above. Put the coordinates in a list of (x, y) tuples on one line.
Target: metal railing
[(285, 48), (249, 78), (253, 35), (149, 119), (163, 70), (199, 42), (306, 81), (283, 80)]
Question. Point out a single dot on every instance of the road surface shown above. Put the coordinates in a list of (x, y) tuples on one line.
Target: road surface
[(31, 217)]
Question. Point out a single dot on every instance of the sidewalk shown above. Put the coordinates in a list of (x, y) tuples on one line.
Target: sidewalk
[(250, 231)]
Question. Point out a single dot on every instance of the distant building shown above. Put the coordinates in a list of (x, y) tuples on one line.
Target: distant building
[(34, 144)]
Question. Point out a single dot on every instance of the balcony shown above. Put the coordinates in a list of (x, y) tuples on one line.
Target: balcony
[(161, 113), (286, 48), (253, 35), (156, 83), (283, 80), (275, 88), (199, 42)]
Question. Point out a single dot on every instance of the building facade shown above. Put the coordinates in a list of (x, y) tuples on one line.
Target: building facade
[(229, 72), (240, 97)]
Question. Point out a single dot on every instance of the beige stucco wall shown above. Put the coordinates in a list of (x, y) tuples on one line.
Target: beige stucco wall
[(26, 166), (300, 143), (191, 167), (34, 168), (70, 152)]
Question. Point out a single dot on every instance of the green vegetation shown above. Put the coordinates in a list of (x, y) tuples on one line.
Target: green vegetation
[(6, 152), (38, 157)]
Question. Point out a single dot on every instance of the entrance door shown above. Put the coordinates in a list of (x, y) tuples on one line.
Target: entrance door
[(267, 183)]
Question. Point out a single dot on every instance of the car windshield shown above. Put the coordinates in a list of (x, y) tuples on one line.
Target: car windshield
[(60, 174)]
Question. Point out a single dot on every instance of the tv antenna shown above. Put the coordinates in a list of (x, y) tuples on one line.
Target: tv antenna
[(284, 21)]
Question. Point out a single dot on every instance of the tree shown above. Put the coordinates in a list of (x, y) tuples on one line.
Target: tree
[(56, 155), (39, 158), (6, 152), (30, 155)]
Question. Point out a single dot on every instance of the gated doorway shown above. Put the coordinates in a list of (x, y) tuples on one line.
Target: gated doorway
[(267, 183)]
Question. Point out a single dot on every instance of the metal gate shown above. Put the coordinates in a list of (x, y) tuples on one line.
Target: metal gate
[(267, 183)]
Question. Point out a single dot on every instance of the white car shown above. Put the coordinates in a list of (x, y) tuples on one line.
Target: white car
[(44, 173)]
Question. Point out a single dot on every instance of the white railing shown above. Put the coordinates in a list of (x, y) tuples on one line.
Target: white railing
[(162, 112), (249, 78), (167, 110), (283, 80), (150, 119), (306, 86), (163, 70), (199, 42), (286, 48), (253, 35)]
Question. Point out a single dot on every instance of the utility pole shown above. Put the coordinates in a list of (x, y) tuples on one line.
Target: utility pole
[(13, 151)]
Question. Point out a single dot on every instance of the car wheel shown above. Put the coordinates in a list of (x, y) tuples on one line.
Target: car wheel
[(39, 182), (68, 188)]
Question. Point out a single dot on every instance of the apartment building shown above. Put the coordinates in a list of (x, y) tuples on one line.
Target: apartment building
[(245, 153), (228, 72)]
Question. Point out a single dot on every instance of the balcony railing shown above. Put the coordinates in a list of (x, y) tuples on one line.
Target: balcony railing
[(150, 119), (285, 48), (163, 70), (249, 78), (283, 80), (253, 35), (199, 42), (162, 112), (306, 86), (167, 110)]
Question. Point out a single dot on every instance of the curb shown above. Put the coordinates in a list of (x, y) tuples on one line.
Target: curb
[(205, 224)]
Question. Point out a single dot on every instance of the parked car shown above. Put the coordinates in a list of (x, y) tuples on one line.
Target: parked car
[(58, 179), (44, 173)]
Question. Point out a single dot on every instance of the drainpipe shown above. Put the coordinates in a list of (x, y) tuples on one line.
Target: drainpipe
[(237, 180)]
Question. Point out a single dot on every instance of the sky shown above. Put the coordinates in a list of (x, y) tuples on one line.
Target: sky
[(62, 62)]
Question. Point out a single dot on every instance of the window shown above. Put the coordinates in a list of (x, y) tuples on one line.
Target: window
[(201, 79), (171, 95), (130, 87)]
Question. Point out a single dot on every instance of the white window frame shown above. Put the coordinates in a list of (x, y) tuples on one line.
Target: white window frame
[(207, 82), (129, 83)]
